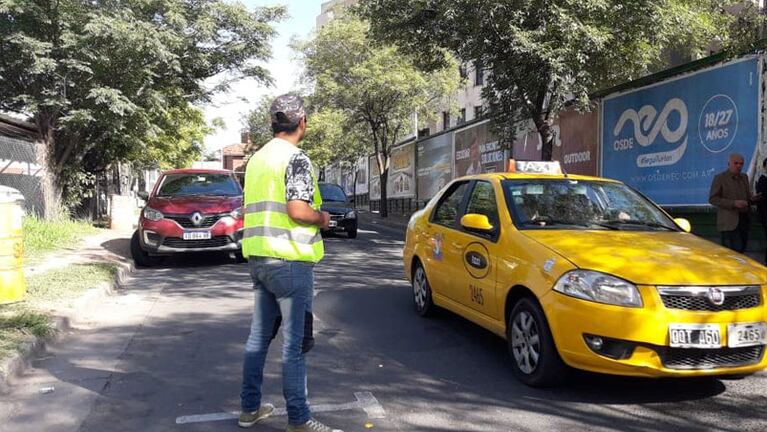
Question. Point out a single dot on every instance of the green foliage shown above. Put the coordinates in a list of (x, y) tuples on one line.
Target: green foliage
[(64, 283), (179, 142), (106, 80), (259, 124), (540, 55), (16, 326), (42, 236), (364, 93)]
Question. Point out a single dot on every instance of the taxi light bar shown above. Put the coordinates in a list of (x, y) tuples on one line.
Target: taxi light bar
[(534, 167)]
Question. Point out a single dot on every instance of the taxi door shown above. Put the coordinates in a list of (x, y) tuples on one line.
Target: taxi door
[(441, 233), (474, 275)]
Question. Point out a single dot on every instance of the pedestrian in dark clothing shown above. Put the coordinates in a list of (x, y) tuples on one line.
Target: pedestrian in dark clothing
[(731, 195), (761, 205)]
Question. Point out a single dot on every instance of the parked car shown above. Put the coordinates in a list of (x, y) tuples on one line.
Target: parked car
[(189, 210), (343, 217), (585, 272)]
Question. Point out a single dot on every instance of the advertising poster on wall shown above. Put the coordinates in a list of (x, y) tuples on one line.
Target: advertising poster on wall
[(578, 137), (401, 181), (527, 145), (375, 179), (347, 181), (362, 176), (435, 165), (477, 151), (333, 174), (668, 140)]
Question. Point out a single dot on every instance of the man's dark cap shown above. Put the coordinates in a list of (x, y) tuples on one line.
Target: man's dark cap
[(287, 109)]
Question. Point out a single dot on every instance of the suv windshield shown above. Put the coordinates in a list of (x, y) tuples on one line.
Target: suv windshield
[(199, 184), (330, 192), (577, 204)]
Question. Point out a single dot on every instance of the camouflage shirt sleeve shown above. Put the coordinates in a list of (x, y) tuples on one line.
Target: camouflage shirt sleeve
[(299, 181)]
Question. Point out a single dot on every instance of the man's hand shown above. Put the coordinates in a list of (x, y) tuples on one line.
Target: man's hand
[(740, 204), (324, 220), (302, 212)]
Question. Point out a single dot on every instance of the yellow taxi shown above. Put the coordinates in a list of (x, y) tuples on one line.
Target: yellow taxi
[(585, 272)]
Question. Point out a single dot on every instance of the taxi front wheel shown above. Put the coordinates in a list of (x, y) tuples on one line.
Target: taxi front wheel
[(422, 292), (535, 360)]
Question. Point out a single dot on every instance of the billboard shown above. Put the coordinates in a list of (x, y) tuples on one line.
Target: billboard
[(362, 176), (401, 180), (578, 138), (477, 150), (375, 179), (435, 165), (668, 140)]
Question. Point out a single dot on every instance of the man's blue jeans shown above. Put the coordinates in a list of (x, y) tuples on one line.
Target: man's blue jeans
[(284, 287)]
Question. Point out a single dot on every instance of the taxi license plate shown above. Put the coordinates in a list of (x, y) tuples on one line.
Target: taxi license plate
[(196, 235), (694, 336), (746, 334)]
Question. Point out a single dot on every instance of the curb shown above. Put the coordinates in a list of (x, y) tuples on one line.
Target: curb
[(13, 366)]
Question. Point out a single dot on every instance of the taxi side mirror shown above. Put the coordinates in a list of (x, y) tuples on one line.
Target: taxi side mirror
[(476, 222), (684, 224)]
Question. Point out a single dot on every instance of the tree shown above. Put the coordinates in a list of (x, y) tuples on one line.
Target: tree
[(179, 144), (258, 124), (543, 54), (371, 89), (101, 78)]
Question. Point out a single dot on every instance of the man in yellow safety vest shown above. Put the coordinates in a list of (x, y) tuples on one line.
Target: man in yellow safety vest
[(282, 241)]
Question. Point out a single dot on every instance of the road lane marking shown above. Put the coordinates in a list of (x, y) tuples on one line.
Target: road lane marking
[(365, 401)]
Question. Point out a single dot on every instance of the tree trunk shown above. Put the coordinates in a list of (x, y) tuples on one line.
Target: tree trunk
[(384, 202), (51, 186), (547, 136)]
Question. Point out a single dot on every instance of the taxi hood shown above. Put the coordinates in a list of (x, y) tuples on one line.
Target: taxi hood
[(653, 257)]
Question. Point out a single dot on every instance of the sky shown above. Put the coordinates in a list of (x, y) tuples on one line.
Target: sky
[(243, 95)]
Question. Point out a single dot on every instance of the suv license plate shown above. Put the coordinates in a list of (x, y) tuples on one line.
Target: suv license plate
[(333, 224), (694, 336), (744, 335), (196, 235)]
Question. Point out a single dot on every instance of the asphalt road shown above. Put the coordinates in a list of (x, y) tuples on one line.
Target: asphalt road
[(168, 350)]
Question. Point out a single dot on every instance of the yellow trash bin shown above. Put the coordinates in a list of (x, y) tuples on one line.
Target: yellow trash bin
[(12, 285)]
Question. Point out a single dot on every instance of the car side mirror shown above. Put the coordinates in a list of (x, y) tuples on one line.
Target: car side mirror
[(684, 224), (351, 199), (476, 222), (144, 195)]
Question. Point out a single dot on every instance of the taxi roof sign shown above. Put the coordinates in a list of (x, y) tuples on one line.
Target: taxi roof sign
[(535, 167)]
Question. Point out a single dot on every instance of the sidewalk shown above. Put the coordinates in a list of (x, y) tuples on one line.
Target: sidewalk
[(395, 222), (106, 247)]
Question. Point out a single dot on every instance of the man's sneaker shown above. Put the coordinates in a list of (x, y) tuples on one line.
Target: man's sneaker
[(248, 419), (311, 426)]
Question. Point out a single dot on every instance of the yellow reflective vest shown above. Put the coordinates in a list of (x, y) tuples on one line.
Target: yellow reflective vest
[(268, 230)]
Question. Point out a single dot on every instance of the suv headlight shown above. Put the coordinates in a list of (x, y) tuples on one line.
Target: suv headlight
[(599, 287), (351, 215), (152, 214), (236, 213)]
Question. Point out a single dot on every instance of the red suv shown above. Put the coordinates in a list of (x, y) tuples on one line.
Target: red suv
[(189, 210)]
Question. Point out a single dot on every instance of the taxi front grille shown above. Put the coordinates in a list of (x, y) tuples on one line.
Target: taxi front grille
[(731, 303), (686, 358), (700, 298)]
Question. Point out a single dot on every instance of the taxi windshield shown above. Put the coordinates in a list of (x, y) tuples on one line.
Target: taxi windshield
[(579, 204)]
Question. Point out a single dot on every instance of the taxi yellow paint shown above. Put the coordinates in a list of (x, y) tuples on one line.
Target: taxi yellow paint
[(529, 262)]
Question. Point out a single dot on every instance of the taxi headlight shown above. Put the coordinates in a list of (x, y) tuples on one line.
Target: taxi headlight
[(236, 213), (599, 287), (152, 214)]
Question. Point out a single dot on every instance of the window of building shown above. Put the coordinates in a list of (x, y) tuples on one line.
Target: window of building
[(479, 74), (445, 119), (462, 72), (462, 117), (478, 111)]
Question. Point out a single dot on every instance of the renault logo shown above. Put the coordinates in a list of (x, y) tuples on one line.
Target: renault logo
[(196, 218), (716, 296)]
